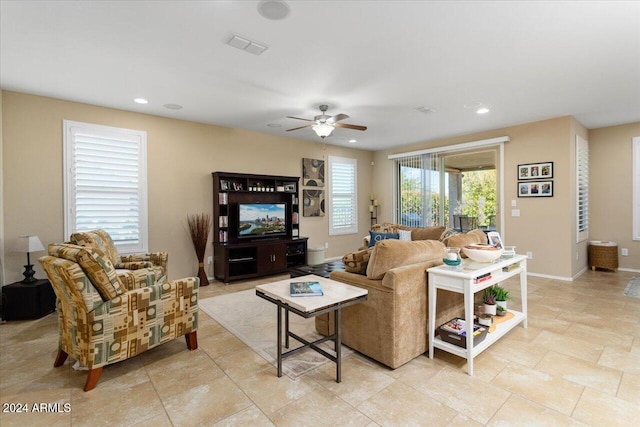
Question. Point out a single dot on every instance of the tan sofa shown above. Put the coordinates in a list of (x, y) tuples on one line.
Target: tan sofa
[(391, 326)]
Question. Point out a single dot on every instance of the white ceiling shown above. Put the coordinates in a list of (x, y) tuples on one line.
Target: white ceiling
[(373, 60)]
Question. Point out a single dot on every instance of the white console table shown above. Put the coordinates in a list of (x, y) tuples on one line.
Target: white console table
[(461, 280)]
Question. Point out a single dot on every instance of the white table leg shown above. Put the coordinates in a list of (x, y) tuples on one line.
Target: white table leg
[(433, 292), (468, 318), (523, 293)]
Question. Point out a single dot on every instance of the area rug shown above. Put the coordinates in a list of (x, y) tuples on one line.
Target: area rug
[(633, 288), (254, 321)]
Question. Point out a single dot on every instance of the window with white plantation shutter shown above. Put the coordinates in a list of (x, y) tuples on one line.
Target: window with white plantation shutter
[(343, 209), (106, 183), (582, 182)]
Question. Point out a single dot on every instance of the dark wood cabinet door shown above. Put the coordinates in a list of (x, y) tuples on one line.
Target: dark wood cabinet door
[(272, 258)]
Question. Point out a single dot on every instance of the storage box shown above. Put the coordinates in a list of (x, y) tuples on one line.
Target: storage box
[(461, 340)]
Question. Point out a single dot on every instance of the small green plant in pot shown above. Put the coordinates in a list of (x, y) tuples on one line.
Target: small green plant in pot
[(500, 310), (502, 295), (489, 301)]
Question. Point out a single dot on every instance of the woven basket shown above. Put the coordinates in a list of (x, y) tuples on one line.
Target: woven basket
[(603, 255)]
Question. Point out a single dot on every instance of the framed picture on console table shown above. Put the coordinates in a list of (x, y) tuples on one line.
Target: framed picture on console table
[(535, 189), (535, 171)]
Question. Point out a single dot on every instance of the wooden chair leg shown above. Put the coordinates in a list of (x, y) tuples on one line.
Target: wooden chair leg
[(192, 340), (60, 358), (93, 378)]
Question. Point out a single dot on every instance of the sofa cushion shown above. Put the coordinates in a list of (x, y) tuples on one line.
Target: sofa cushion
[(376, 237), (448, 232), (356, 262), (95, 265), (464, 239), (389, 254), (427, 233)]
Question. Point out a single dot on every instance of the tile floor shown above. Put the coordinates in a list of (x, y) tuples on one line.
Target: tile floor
[(578, 363)]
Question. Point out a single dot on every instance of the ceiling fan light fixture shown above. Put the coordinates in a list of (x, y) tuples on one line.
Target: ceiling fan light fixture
[(322, 129)]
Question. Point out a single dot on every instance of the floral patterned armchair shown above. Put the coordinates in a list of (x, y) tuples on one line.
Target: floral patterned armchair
[(104, 319)]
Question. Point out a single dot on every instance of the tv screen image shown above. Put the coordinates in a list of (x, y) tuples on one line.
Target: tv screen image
[(262, 219)]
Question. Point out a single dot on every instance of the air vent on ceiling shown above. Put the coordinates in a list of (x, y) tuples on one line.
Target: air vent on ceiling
[(426, 110), (246, 44)]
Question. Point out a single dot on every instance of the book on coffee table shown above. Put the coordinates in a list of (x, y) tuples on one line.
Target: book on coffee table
[(306, 289)]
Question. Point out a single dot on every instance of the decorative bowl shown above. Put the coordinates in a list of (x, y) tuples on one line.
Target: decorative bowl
[(482, 253)]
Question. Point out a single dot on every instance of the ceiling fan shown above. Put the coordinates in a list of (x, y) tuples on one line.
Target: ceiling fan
[(324, 124)]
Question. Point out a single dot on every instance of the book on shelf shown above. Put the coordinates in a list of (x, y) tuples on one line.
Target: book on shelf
[(223, 221), (306, 289), (510, 267), (222, 236), (294, 232), (457, 326), (482, 278), (222, 198), (294, 217)]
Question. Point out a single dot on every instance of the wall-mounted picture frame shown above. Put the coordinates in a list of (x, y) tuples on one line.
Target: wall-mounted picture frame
[(537, 171), (313, 172), (535, 189)]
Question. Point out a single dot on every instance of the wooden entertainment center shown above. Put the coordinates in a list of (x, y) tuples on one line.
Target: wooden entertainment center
[(276, 245)]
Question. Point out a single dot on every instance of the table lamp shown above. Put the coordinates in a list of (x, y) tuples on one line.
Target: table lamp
[(29, 244)]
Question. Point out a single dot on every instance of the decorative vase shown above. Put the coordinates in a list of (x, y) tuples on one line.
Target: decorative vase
[(490, 309), (199, 227), (452, 258), (502, 304)]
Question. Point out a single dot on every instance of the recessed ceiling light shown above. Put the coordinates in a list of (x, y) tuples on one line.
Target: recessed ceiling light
[(140, 101), (173, 106), (474, 104), (274, 125), (352, 141), (482, 110), (273, 9)]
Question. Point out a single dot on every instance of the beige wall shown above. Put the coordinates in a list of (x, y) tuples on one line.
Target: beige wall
[(545, 226), (610, 195), (181, 157)]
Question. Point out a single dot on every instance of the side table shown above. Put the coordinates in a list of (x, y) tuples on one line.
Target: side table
[(28, 300), (463, 280)]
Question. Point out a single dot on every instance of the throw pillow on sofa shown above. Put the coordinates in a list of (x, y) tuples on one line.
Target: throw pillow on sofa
[(464, 239), (404, 234), (376, 237), (390, 254), (357, 262)]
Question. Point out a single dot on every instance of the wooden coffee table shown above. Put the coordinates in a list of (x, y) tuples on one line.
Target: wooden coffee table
[(336, 296)]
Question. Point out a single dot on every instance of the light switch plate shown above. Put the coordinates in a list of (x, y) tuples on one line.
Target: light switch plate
[(515, 212), (514, 203)]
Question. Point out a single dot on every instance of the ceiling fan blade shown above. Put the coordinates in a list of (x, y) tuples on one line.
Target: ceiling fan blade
[(301, 127), (344, 125), (298, 118), (339, 117)]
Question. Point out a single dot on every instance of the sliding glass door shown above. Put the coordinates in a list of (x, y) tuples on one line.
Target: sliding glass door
[(457, 189)]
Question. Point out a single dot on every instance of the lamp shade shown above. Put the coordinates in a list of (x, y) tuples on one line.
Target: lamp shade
[(28, 244), (322, 129)]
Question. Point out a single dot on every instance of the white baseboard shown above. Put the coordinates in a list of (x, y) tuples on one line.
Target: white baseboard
[(632, 270), (548, 276)]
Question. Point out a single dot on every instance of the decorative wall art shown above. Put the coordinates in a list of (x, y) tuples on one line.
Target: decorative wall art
[(313, 202), (535, 171), (535, 189), (313, 172)]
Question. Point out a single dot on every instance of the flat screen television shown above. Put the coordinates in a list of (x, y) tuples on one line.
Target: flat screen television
[(256, 220)]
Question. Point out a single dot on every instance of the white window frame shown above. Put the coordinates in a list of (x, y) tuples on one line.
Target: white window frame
[(353, 228), (582, 178), (636, 187), (73, 129)]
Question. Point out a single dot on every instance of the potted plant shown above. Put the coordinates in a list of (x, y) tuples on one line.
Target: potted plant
[(489, 301), (500, 310), (502, 295)]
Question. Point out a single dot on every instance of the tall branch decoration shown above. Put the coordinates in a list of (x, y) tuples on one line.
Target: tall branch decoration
[(199, 227)]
